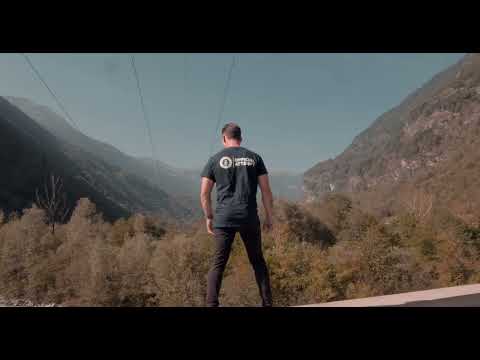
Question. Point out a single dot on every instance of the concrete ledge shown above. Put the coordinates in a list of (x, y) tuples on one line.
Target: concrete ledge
[(456, 296)]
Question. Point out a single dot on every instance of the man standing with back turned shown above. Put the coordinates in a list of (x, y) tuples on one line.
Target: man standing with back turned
[(237, 172)]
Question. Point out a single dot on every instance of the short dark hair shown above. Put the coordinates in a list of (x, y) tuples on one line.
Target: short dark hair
[(232, 131)]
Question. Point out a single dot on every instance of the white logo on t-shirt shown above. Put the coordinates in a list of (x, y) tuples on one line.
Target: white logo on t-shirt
[(226, 162), (244, 162)]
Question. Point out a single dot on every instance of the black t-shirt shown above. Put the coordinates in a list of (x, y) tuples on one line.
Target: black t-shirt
[(235, 170)]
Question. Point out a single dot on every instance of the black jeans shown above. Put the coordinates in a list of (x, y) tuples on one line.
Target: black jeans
[(252, 239)]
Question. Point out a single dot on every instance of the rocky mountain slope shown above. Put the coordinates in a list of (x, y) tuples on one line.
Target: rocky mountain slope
[(428, 141), (29, 153)]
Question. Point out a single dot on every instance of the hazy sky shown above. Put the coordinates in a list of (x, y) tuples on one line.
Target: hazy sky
[(294, 109)]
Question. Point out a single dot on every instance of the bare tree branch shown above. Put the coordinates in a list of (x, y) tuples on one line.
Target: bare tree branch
[(420, 204), (53, 201)]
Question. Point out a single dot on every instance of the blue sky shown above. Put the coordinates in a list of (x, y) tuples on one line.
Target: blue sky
[(294, 109)]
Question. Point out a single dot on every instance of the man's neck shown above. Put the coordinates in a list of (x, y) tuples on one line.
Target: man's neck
[(233, 145)]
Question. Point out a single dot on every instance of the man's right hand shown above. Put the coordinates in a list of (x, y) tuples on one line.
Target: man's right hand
[(268, 224), (210, 226)]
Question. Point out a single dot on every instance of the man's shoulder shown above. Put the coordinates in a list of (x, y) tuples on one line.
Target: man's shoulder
[(218, 155), (252, 153), (232, 152)]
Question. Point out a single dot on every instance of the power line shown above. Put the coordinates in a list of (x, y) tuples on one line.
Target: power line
[(57, 100), (224, 99), (144, 112), (185, 66)]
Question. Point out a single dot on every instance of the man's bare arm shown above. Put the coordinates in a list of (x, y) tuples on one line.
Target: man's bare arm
[(205, 199), (267, 198)]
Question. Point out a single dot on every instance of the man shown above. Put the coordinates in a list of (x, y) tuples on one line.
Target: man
[(237, 172)]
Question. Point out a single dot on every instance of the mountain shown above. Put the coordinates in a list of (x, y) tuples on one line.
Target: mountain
[(30, 150), (167, 178), (181, 185), (429, 141)]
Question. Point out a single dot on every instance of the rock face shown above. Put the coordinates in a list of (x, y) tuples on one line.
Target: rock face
[(412, 142)]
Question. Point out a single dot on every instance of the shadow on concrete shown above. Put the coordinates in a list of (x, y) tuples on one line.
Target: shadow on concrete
[(472, 300)]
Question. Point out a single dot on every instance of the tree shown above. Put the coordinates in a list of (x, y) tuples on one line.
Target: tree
[(419, 204), (53, 201)]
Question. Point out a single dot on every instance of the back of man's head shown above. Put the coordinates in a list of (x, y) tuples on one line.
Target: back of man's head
[(232, 131)]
